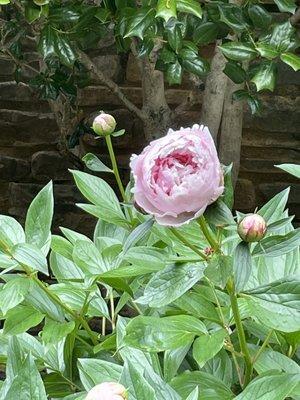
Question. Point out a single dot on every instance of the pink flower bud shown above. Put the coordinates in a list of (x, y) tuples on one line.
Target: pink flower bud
[(107, 391), (104, 124), (252, 228)]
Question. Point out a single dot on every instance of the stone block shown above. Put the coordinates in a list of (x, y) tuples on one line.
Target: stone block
[(13, 169), (110, 65), (245, 197), (47, 165), (21, 195), (26, 127)]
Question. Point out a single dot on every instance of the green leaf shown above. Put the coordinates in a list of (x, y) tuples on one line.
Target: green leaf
[(88, 258), (286, 5), (57, 386), (173, 359), (277, 305), (259, 16), (62, 246), (93, 372), (174, 34), (158, 334), (63, 50), (28, 384), (205, 33), (228, 195), (272, 386), (282, 36), (20, 319), (211, 388), (193, 63), (98, 192), (54, 331), (46, 42), (242, 266), (220, 366), (277, 245), (169, 284), (265, 78), (207, 346), (232, 15), (30, 256), (235, 72), (136, 385), (32, 12), (273, 209), (292, 169), (266, 50), (11, 233), (94, 164), (292, 60), (39, 217), (13, 293), (219, 214), (137, 234), (195, 304), (3, 2), (270, 359), (190, 7), (238, 51), (166, 9), (174, 73), (139, 22), (194, 394), (219, 270)]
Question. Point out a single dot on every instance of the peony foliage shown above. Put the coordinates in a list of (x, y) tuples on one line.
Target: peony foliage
[(145, 311)]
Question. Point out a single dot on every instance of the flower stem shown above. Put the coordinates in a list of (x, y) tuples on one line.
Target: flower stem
[(116, 172), (112, 310), (187, 243), (241, 336), (210, 238), (115, 166), (57, 300), (263, 346)]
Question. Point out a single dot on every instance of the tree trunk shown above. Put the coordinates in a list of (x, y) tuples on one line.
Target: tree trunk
[(214, 93), (155, 107), (231, 130)]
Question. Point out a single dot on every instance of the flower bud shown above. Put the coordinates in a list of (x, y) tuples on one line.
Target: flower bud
[(107, 391), (252, 228), (104, 124)]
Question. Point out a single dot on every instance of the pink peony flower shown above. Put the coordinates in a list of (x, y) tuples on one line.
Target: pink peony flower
[(178, 176), (252, 228), (107, 391), (104, 124)]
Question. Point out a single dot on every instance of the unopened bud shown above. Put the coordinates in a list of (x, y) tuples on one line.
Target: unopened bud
[(252, 228), (104, 124), (107, 391)]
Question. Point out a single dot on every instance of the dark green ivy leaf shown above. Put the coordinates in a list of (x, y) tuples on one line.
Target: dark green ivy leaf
[(259, 16), (205, 33), (265, 77), (235, 72), (238, 51), (139, 22), (193, 63), (174, 73)]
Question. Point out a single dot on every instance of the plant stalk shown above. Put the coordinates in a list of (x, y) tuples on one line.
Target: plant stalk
[(210, 238), (242, 337), (188, 244), (57, 300)]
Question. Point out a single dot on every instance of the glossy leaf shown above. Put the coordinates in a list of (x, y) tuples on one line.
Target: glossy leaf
[(235, 72), (20, 319), (94, 164), (274, 246), (292, 169), (159, 334), (190, 7), (174, 73), (207, 346), (93, 372), (139, 22), (265, 77), (286, 5), (205, 33), (171, 283), (292, 60), (242, 266), (238, 51), (166, 9), (259, 16)]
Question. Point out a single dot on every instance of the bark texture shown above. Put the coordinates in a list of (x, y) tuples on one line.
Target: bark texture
[(231, 130), (214, 94)]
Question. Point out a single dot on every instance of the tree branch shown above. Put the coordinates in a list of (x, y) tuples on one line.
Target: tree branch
[(295, 19), (111, 85)]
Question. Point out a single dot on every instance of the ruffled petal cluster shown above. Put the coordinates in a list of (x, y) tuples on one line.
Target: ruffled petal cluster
[(178, 176)]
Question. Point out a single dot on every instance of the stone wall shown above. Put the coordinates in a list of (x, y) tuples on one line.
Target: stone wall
[(28, 140)]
